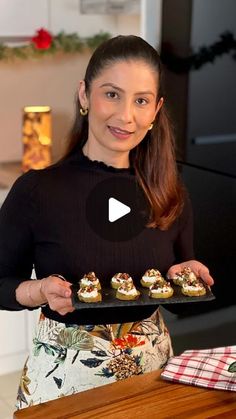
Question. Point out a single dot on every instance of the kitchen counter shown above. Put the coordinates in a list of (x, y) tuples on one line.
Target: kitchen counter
[(142, 396)]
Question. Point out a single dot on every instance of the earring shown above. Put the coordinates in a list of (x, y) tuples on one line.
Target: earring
[(151, 127), (83, 112)]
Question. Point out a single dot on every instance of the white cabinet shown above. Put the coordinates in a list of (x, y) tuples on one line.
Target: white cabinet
[(13, 346), (22, 17), (16, 333)]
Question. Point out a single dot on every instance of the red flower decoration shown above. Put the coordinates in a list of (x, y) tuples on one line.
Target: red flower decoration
[(128, 341), (43, 40)]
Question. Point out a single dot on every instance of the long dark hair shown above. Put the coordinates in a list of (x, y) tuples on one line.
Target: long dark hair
[(154, 157)]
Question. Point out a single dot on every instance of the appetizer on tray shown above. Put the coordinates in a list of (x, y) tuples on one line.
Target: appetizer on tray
[(193, 288), (119, 279), (161, 290), (185, 275), (90, 279), (150, 277), (89, 294), (127, 291)]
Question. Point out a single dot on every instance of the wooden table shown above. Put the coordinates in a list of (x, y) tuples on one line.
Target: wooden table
[(144, 396)]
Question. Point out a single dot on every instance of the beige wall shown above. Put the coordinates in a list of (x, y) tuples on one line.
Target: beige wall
[(49, 81)]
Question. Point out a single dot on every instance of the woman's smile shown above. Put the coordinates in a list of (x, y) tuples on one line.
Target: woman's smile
[(120, 133)]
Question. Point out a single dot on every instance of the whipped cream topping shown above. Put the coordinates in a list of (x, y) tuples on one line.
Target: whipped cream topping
[(193, 286), (152, 278), (192, 276), (86, 294), (88, 291), (185, 275), (126, 291), (86, 281), (149, 278), (160, 290)]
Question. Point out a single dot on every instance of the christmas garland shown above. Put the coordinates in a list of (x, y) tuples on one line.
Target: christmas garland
[(177, 64), (44, 43)]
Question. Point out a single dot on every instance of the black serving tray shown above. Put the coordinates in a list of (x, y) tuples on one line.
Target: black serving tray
[(109, 298)]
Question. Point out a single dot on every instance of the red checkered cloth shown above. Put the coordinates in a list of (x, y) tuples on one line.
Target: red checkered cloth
[(211, 368)]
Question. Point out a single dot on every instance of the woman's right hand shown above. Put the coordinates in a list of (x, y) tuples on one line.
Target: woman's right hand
[(57, 293)]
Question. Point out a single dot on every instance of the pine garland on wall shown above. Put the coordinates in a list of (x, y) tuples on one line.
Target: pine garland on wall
[(177, 64), (44, 43)]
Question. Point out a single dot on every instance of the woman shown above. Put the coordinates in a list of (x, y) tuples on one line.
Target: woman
[(121, 130)]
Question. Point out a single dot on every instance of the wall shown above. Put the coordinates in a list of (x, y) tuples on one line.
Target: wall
[(49, 81)]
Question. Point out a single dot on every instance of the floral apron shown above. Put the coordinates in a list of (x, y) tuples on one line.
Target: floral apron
[(66, 359)]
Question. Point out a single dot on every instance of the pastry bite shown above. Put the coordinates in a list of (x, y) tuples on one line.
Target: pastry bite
[(90, 279), (185, 275), (127, 291), (161, 290), (150, 277), (89, 294), (193, 288), (119, 279)]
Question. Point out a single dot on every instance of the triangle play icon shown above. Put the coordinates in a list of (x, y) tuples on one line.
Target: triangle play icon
[(116, 209)]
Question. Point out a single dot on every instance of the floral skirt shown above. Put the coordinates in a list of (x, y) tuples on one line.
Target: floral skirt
[(66, 359)]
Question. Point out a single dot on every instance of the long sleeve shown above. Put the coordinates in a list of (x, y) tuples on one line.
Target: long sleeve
[(16, 249)]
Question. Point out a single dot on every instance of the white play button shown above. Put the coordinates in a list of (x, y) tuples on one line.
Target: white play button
[(116, 209)]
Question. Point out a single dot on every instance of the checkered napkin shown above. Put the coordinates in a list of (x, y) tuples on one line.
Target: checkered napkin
[(211, 368)]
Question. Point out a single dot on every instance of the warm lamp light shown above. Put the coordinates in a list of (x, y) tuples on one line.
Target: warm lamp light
[(37, 137)]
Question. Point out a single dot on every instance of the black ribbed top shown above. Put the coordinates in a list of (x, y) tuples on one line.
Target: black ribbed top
[(43, 223)]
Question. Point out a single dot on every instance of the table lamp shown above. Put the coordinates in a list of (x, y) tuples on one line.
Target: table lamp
[(36, 137)]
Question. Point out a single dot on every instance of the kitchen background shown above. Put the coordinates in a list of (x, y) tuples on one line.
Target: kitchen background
[(202, 103)]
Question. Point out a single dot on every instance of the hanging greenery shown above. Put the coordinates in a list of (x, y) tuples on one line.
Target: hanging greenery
[(177, 64), (44, 43)]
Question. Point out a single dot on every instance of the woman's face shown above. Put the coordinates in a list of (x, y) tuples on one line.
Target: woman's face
[(122, 104)]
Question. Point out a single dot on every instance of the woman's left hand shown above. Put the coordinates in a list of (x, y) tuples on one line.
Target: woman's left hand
[(198, 268)]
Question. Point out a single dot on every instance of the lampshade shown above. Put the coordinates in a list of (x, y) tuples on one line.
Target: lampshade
[(37, 137)]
